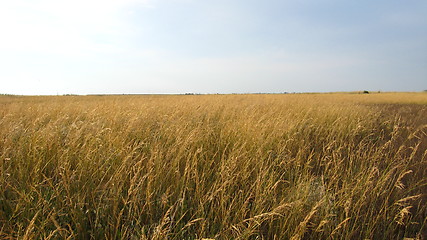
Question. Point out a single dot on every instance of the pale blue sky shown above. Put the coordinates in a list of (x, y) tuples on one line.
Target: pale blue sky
[(178, 46)]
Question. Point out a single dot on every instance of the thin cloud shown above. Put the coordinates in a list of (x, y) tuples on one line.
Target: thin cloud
[(64, 27)]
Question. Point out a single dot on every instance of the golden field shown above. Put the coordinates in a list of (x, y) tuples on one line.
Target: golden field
[(290, 166)]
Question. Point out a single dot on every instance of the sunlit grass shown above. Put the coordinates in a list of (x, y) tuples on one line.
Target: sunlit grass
[(294, 166)]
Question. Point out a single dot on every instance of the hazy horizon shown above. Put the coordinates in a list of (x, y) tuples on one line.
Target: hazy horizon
[(187, 46)]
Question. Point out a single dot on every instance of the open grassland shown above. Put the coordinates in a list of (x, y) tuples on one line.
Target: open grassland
[(295, 166)]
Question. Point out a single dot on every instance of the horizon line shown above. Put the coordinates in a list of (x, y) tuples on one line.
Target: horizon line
[(195, 93)]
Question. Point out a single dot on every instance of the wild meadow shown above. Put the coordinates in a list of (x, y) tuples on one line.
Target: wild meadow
[(276, 166)]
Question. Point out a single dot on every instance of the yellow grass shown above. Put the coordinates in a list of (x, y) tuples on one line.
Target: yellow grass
[(294, 166)]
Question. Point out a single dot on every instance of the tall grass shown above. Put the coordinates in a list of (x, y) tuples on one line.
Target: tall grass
[(321, 166)]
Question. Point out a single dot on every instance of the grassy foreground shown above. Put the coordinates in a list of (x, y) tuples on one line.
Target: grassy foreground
[(296, 166)]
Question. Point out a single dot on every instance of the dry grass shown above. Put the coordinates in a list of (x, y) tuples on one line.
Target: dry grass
[(303, 166)]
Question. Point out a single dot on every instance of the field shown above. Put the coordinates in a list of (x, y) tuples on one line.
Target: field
[(279, 166)]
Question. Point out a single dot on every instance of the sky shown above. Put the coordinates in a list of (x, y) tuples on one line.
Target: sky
[(50, 47)]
